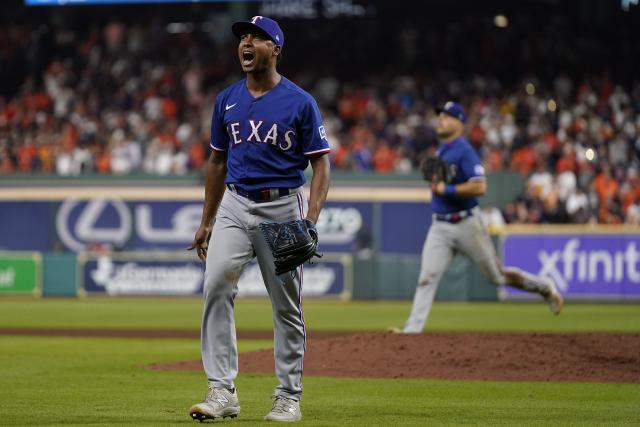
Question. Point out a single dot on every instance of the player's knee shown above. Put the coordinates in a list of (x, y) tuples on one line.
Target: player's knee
[(511, 275), (290, 316), (498, 279), (221, 283)]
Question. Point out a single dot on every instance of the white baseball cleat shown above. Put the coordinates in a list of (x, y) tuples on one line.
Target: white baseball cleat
[(396, 330), (553, 297), (218, 403), (285, 410)]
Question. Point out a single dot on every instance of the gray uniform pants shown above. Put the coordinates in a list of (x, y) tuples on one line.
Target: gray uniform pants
[(444, 239), (235, 240)]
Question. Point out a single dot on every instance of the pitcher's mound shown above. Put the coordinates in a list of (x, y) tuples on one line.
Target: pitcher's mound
[(596, 357)]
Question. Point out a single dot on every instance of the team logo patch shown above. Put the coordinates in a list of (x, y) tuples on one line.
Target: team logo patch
[(479, 170), (322, 132)]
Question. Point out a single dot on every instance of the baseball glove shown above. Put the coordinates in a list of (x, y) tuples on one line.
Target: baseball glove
[(292, 243), (434, 169)]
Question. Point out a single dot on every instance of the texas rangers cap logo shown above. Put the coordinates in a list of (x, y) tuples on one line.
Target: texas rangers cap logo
[(453, 109), (265, 24)]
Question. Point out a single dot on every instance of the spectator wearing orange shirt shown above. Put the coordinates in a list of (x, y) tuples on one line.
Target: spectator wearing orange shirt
[(384, 158), (27, 155), (607, 189)]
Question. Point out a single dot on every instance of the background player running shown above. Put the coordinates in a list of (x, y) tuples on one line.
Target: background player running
[(264, 132), (457, 226)]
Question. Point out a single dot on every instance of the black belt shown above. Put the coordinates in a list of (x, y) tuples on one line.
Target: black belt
[(262, 195), (455, 216)]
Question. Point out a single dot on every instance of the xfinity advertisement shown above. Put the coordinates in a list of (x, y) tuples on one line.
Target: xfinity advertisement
[(583, 266)]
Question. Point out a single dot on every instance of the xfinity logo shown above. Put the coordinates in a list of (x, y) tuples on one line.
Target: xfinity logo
[(79, 223), (590, 266)]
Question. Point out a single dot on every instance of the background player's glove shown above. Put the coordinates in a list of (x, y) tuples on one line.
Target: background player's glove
[(292, 243), (434, 169)]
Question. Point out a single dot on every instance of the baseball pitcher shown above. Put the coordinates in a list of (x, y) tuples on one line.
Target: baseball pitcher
[(457, 179), (265, 131)]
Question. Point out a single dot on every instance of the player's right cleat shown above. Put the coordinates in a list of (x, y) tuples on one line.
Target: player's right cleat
[(553, 297), (218, 403), (285, 410)]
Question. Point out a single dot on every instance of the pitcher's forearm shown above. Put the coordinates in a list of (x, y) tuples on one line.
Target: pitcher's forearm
[(214, 186), (319, 186)]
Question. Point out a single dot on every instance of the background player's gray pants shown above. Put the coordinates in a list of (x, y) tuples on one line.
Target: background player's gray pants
[(444, 239), (235, 240)]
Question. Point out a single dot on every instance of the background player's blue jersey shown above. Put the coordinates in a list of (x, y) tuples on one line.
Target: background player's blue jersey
[(467, 166), (270, 138)]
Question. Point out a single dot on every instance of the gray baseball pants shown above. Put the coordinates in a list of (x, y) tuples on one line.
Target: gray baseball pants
[(235, 240), (444, 240)]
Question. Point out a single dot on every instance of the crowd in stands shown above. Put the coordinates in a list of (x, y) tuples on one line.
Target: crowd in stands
[(125, 98)]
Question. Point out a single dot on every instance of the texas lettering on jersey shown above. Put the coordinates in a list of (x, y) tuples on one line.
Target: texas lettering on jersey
[(260, 132), (269, 139)]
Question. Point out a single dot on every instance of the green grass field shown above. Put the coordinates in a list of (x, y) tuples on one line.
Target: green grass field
[(102, 381)]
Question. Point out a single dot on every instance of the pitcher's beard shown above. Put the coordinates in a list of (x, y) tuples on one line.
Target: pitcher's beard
[(443, 134)]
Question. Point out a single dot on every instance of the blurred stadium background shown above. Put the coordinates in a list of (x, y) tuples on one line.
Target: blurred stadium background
[(104, 126)]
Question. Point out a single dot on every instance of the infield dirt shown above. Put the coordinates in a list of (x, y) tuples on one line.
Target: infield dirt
[(584, 357)]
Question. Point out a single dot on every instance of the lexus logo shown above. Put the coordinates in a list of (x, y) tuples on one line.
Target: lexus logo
[(77, 234), (112, 221)]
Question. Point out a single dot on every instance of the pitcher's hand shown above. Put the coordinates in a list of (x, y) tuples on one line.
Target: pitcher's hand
[(201, 242)]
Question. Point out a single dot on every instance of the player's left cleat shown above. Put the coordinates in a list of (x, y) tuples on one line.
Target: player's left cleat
[(396, 330), (284, 410), (219, 403), (553, 297)]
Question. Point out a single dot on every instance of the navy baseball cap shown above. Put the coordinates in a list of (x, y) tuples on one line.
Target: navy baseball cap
[(454, 110), (264, 25)]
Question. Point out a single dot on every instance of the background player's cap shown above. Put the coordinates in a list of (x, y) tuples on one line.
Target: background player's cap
[(265, 25), (453, 109)]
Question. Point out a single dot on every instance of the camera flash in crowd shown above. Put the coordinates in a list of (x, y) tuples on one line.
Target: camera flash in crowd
[(500, 21), (590, 154), (530, 88)]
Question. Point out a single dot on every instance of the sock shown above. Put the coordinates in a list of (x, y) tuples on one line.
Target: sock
[(525, 281)]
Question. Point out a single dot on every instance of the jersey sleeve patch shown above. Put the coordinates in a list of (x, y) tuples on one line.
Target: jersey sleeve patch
[(314, 134), (322, 132), (471, 165)]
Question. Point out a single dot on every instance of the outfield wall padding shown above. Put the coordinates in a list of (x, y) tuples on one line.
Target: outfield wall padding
[(59, 274)]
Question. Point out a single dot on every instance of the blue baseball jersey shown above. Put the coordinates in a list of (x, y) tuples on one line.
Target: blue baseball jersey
[(467, 167), (269, 139)]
